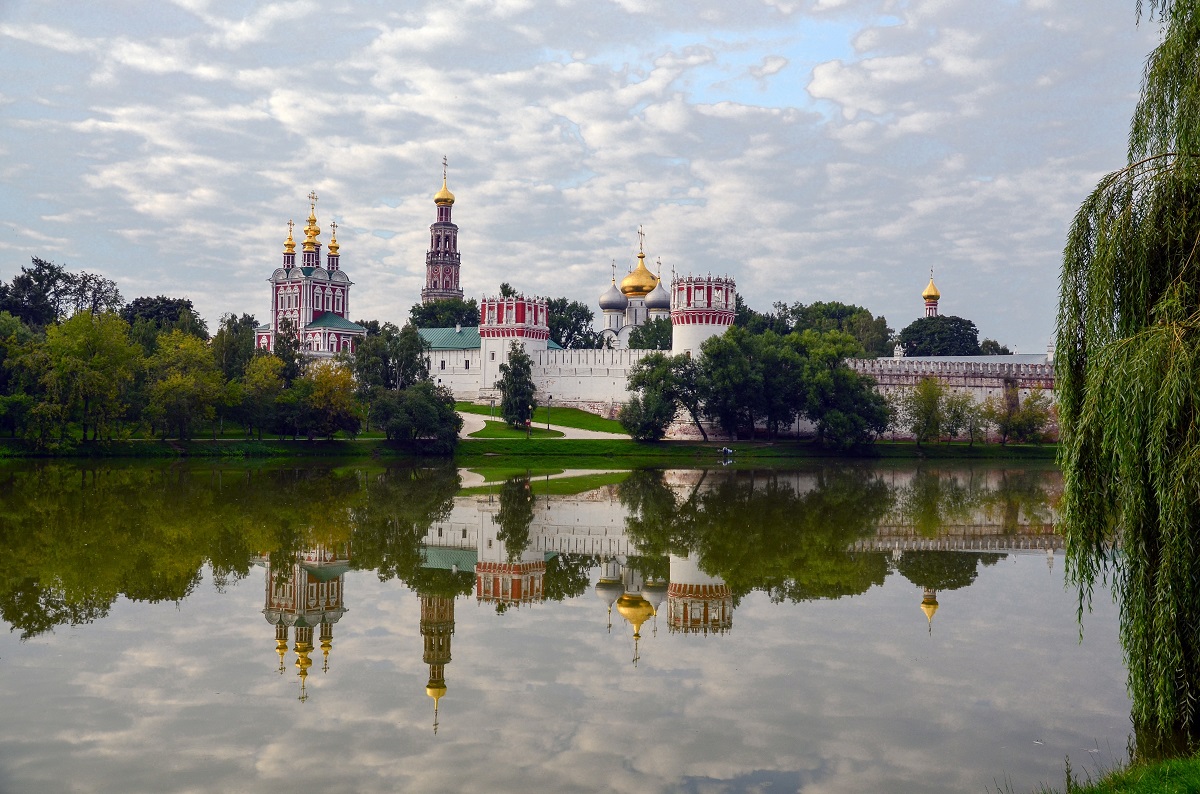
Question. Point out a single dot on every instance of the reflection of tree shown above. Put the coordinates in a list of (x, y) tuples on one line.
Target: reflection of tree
[(567, 575), (943, 570), (1028, 493), (935, 498), (396, 509), (756, 532), (515, 515), (77, 539)]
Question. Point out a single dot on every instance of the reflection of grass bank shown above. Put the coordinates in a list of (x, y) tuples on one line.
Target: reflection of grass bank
[(367, 448), (562, 486)]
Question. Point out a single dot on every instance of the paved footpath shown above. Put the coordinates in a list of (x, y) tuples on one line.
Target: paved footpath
[(473, 422)]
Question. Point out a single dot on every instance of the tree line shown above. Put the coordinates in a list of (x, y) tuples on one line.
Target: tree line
[(77, 363)]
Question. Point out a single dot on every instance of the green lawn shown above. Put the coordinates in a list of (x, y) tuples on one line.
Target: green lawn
[(503, 430), (1176, 776), (566, 417)]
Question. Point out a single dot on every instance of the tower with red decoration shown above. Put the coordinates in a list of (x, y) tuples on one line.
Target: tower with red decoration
[(701, 306), (442, 262), (931, 296), (503, 321)]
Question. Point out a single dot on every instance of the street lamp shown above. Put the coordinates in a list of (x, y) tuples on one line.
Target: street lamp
[(529, 423), (549, 399)]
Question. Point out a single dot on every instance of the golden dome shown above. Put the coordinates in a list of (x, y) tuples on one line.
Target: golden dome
[(333, 243), (639, 283), (443, 198), (311, 231), (636, 610), (289, 245), (931, 292)]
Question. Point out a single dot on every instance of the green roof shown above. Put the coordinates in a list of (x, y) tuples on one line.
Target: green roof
[(331, 320), (448, 558), (464, 338)]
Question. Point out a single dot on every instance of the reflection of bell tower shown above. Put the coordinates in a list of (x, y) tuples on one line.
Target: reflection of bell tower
[(306, 596), (929, 606), (503, 581), (696, 602), (437, 626)]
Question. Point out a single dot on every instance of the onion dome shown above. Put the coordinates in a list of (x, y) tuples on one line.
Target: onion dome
[(608, 590), (289, 245), (929, 606), (654, 592), (333, 243), (613, 299), (311, 231), (658, 298), (931, 292), (639, 283), (636, 610), (443, 198)]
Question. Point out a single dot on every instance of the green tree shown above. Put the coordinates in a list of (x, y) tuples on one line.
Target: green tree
[(185, 383), (571, 324), (920, 410), (331, 399), (990, 347), (287, 348), (516, 387), (165, 314), (423, 413), (647, 415), (871, 332), (233, 344), (675, 378), (16, 386), (652, 335), (1020, 420), (961, 414), (730, 383), (845, 406), (507, 291), (39, 295), (90, 368), (261, 387), (943, 335), (444, 313)]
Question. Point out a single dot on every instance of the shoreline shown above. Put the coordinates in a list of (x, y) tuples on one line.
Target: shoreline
[(595, 451)]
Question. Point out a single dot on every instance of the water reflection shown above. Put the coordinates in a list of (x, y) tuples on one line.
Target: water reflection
[(677, 550)]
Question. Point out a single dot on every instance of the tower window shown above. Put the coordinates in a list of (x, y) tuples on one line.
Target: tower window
[(467, 364), (493, 356), (443, 364)]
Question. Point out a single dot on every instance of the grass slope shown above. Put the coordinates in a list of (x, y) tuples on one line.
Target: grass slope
[(503, 430), (564, 417)]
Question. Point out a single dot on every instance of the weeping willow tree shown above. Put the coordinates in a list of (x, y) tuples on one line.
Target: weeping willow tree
[(1128, 375)]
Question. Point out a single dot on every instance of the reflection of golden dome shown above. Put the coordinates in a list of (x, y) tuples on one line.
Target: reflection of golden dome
[(639, 283), (436, 691), (443, 198), (636, 610), (931, 292), (929, 605)]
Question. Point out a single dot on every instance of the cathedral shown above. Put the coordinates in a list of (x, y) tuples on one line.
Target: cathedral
[(313, 300)]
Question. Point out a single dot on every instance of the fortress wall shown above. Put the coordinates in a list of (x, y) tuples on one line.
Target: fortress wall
[(459, 370), (593, 380), (980, 379)]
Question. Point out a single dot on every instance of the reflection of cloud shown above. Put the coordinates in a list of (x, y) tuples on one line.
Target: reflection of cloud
[(846, 695), (198, 130)]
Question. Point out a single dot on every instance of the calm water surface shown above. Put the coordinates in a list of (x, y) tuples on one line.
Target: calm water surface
[(254, 628)]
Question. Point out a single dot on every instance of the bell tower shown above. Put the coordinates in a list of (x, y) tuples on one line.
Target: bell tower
[(442, 262)]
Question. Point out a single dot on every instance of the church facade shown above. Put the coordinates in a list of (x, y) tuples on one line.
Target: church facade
[(313, 301)]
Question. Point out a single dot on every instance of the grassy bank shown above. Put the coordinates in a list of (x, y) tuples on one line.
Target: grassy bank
[(1176, 776), (363, 448), (563, 417)]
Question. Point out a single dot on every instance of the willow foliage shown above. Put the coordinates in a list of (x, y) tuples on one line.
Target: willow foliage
[(1128, 375)]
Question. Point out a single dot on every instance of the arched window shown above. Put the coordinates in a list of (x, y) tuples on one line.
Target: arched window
[(338, 302)]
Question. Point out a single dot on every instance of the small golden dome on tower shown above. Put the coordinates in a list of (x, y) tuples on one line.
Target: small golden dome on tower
[(435, 691), (289, 245), (443, 198), (311, 231), (636, 610), (639, 283), (931, 292), (333, 243)]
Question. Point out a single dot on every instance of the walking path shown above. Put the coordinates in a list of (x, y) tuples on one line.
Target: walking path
[(474, 422)]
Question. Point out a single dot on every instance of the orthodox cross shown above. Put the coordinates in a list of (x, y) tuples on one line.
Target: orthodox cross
[(312, 197), (444, 164), (641, 237), (614, 269), (291, 225), (333, 227)]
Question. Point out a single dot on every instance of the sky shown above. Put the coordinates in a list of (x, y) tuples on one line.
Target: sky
[(813, 150)]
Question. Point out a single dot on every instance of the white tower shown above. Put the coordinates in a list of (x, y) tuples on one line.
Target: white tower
[(701, 306)]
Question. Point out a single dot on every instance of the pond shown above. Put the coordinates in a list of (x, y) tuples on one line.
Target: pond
[(385, 628)]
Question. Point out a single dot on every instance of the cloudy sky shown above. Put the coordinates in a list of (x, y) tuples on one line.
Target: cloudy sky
[(812, 149)]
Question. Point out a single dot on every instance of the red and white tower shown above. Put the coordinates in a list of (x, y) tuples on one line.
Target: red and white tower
[(701, 306), (697, 603), (931, 296), (442, 262), (503, 321)]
